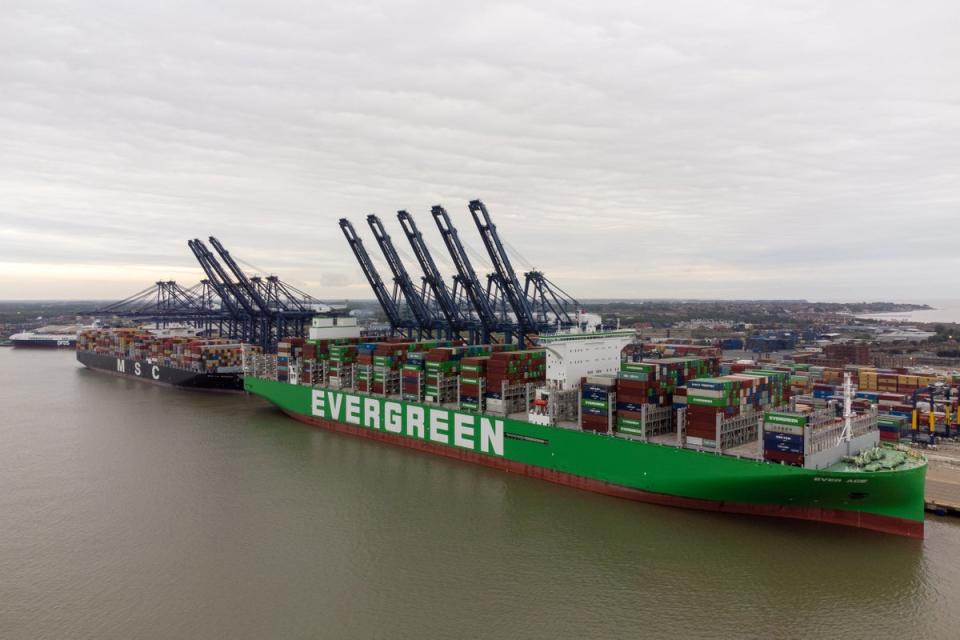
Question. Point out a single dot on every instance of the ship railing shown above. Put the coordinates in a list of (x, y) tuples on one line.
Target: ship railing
[(656, 421), (738, 430), (744, 428), (514, 398), (260, 365), (823, 416), (827, 435)]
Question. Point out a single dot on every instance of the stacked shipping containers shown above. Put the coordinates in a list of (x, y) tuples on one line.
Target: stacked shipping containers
[(655, 382), (411, 376), (681, 350), (893, 427), (473, 375), (514, 368), (783, 437), (711, 399), (181, 352), (597, 395), (289, 351)]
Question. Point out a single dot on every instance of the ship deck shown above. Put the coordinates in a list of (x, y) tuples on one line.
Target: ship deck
[(752, 450)]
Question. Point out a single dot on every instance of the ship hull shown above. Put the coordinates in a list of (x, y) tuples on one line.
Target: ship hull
[(66, 343), (889, 502), (157, 374)]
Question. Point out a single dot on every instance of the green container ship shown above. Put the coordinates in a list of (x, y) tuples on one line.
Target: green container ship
[(877, 496)]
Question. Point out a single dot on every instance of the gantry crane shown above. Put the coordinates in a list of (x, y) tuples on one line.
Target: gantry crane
[(264, 316), (389, 304), (427, 321), (237, 306), (466, 278), (506, 277), (457, 319)]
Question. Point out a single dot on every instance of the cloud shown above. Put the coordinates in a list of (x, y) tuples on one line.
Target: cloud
[(747, 149)]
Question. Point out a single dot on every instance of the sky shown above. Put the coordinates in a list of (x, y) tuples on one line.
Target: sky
[(634, 149)]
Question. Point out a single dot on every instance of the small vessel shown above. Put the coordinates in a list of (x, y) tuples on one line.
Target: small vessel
[(50, 337)]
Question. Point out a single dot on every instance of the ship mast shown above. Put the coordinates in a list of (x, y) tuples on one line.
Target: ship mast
[(847, 434)]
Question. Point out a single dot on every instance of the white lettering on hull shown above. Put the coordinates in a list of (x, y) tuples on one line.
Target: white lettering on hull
[(435, 424), (463, 430), (317, 404), (491, 436), (415, 416), (439, 426), (392, 412), (371, 413), (353, 410)]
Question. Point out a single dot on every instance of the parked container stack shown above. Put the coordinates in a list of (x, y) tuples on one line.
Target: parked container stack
[(341, 358), (774, 386), (181, 352), (598, 395), (654, 383), (289, 351), (515, 367), (473, 380), (722, 398), (680, 350), (412, 377), (509, 372), (783, 437), (893, 427), (442, 368)]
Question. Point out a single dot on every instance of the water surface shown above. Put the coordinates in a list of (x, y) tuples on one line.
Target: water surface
[(137, 511)]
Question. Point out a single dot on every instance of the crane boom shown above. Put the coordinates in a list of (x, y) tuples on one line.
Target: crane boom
[(373, 277), (448, 306), (466, 276), (225, 278), (506, 276), (225, 297), (242, 279), (547, 298), (421, 312)]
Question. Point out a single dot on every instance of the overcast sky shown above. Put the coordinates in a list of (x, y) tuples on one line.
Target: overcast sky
[(635, 149)]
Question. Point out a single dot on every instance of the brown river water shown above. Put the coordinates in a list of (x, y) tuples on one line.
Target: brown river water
[(129, 510)]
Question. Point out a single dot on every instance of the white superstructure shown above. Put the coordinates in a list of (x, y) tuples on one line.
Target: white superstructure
[(575, 354), (49, 336), (330, 328)]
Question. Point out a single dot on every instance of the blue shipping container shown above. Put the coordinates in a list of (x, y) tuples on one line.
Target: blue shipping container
[(596, 388), (593, 394), (785, 442)]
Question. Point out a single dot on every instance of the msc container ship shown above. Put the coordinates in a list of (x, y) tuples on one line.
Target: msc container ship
[(167, 357), (813, 466)]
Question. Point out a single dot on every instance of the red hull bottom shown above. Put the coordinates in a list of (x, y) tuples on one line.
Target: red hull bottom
[(884, 524)]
